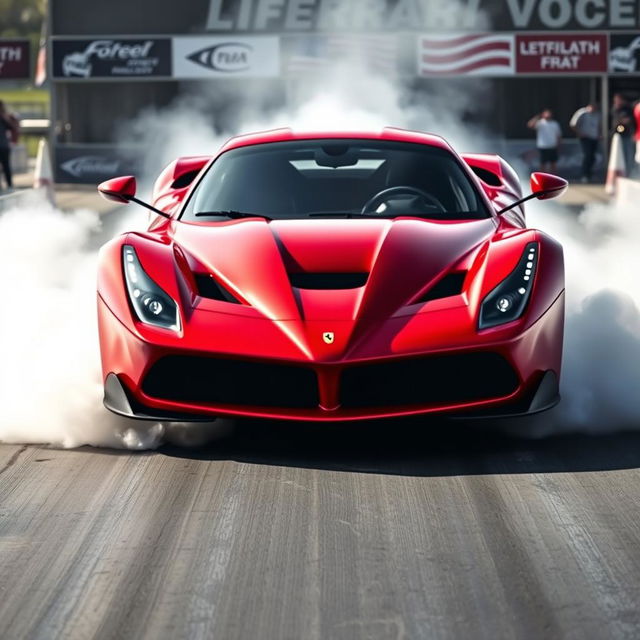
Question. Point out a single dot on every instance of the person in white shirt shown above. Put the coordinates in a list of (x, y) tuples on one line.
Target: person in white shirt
[(587, 123), (548, 137)]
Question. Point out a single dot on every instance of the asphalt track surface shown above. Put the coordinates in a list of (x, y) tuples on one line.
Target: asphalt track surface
[(398, 529), (407, 531)]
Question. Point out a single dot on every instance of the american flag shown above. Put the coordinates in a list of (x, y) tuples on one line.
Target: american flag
[(378, 52), (477, 54)]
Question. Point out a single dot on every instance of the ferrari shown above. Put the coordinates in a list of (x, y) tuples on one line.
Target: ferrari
[(332, 277)]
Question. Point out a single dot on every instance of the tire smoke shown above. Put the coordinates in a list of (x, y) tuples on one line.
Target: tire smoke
[(49, 379), (601, 365)]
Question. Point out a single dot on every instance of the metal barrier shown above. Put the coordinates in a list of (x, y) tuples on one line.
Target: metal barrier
[(16, 198)]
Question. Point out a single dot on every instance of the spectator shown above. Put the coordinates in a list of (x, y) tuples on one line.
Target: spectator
[(622, 122), (586, 123), (8, 133), (548, 137), (636, 113)]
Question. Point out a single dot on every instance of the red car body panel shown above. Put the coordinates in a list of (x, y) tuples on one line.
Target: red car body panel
[(173, 184), (385, 321)]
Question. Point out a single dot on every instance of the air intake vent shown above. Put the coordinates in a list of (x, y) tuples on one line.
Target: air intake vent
[(328, 280), (487, 176), (199, 380), (452, 378), (450, 285), (209, 288), (185, 179)]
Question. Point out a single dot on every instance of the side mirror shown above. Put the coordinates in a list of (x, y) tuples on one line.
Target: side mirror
[(546, 186), (121, 190)]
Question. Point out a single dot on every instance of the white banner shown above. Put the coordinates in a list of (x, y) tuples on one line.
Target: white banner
[(212, 57)]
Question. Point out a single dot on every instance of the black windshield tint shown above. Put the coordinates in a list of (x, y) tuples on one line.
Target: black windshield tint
[(315, 177)]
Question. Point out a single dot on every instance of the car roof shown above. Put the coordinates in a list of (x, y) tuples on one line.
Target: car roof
[(287, 134)]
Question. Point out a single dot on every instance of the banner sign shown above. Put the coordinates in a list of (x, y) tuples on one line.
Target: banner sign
[(496, 54), (112, 58), (303, 16), (14, 59), (624, 54), (567, 53), (80, 164), (487, 54), (200, 57), (491, 54)]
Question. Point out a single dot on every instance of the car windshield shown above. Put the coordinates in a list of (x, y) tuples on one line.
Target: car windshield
[(335, 178)]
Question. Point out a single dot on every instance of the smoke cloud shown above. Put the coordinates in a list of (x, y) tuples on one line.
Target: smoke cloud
[(601, 366), (50, 383), (350, 97), (50, 387)]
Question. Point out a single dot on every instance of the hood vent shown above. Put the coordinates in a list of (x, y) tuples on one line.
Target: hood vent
[(328, 280), (209, 288), (450, 285)]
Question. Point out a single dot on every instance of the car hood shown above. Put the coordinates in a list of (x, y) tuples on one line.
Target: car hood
[(258, 261)]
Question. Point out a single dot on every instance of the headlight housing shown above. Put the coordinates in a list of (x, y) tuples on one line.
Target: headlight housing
[(508, 300), (151, 304)]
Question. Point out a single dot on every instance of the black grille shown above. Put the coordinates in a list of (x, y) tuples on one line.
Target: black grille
[(195, 379), (209, 288), (450, 285), (437, 379), (328, 280)]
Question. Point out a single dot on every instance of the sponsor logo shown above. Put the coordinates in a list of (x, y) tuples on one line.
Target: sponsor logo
[(328, 337), (109, 57), (625, 59), (459, 54), (90, 165), (76, 64), (11, 53), (207, 57), (228, 56)]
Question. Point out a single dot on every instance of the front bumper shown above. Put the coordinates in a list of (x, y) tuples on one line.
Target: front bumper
[(533, 356)]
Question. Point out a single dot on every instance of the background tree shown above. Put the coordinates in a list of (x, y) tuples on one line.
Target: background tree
[(22, 19)]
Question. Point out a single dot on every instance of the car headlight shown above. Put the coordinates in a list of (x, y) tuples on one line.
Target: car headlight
[(508, 300), (150, 303)]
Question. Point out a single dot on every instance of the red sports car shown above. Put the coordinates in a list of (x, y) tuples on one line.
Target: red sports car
[(332, 276)]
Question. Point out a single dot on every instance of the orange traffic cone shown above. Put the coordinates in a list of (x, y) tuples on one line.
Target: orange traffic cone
[(43, 176), (616, 168)]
